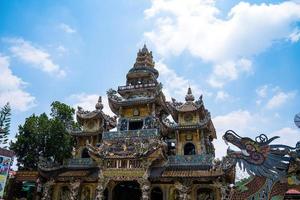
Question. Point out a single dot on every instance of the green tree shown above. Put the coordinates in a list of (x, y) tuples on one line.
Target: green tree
[(41, 136), (4, 125), (63, 112)]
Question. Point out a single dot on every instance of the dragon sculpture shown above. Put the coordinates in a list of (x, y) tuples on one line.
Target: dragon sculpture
[(269, 166)]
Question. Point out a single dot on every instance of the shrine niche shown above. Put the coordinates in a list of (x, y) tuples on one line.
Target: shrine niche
[(86, 193)]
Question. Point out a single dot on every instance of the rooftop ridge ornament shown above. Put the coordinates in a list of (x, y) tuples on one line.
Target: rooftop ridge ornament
[(144, 58), (99, 105), (189, 96)]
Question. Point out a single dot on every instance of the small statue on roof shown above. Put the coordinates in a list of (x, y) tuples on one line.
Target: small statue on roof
[(99, 105)]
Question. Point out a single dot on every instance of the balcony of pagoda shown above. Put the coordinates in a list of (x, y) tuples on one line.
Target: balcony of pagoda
[(202, 161), (141, 133), (77, 133), (79, 163), (138, 86)]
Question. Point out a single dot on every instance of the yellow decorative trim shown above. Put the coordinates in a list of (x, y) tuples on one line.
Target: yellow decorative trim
[(124, 173)]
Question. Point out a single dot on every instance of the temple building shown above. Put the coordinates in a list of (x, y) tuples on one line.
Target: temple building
[(151, 149)]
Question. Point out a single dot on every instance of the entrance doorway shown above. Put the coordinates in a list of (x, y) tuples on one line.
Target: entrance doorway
[(127, 190), (156, 194), (135, 125)]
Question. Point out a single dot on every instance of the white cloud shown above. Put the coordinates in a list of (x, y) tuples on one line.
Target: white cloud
[(262, 91), (88, 102), (11, 88), (195, 26), (222, 95), (273, 96), (174, 85), (39, 58), (66, 28), (279, 99), (228, 71), (61, 50), (295, 35)]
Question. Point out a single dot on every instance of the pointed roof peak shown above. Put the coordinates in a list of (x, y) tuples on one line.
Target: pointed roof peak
[(144, 49), (189, 96), (144, 58)]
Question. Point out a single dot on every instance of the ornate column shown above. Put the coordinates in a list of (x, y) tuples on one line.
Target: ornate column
[(47, 190), (184, 189), (203, 145), (74, 189), (102, 183), (145, 187)]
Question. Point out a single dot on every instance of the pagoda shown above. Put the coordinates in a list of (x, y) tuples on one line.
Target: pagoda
[(151, 149)]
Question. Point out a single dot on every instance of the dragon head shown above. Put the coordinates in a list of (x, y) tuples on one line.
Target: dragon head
[(258, 156)]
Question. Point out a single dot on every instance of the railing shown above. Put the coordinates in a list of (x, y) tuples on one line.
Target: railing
[(129, 87), (147, 133), (79, 162), (182, 160)]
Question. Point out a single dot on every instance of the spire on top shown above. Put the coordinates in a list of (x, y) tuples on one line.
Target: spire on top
[(144, 58), (144, 49), (189, 96)]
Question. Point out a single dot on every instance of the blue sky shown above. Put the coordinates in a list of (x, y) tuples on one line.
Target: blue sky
[(242, 56)]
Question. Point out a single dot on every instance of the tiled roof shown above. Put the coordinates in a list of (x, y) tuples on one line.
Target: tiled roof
[(192, 173), (187, 107)]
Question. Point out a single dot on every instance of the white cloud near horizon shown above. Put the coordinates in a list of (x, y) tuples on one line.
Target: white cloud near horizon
[(227, 43), (12, 88), (35, 56)]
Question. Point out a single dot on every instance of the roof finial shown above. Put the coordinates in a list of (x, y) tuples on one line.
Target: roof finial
[(189, 96), (99, 105), (144, 49)]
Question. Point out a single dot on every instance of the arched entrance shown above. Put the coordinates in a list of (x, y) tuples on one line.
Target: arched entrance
[(85, 153), (189, 149), (127, 190), (156, 194)]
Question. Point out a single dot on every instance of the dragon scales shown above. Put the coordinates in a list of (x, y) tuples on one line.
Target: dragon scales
[(269, 166)]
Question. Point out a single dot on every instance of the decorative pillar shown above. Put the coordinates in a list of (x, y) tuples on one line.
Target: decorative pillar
[(102, 183), (47, 189), (226, 192), (184, 189), (74, 189), (145, 187), (203, 145)]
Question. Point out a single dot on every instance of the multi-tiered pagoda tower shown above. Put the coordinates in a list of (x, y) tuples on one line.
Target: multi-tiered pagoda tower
[(147, 156)]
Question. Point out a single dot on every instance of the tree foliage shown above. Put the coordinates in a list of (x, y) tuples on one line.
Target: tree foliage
[(43, 136), (4, 125)]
